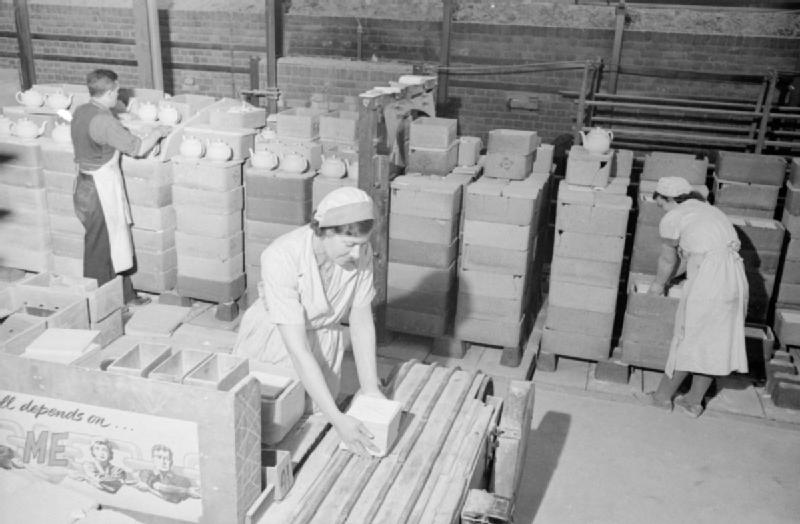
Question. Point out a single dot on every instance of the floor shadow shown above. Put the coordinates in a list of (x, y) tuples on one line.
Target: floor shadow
[(545, 445)]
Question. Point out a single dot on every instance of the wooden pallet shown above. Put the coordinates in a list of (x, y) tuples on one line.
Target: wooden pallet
[(445, 447)]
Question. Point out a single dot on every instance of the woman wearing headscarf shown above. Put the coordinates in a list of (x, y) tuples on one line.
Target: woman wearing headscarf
[(312, 279), (708, 340)]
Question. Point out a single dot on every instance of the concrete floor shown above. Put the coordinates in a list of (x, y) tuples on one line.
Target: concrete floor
[(597, 456)]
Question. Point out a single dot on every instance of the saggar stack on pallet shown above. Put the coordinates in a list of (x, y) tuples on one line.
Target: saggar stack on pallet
[(423, 249), (497, 283), (591, 227), (748, 184), (148, 182)]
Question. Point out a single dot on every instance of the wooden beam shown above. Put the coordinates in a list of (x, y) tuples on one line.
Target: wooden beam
[(373, 177), (154, 34), (25, 43), (616, 53), (444, 52), (142, 50), (580, 116)]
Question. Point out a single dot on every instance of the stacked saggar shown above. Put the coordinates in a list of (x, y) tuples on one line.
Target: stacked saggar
[(496, 281), (423, 248), (66, 231), (747, 184), (591, 226), (209, 199), (24, 234), (149, 185)]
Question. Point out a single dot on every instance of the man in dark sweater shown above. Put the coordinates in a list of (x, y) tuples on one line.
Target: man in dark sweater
[(101, 204)]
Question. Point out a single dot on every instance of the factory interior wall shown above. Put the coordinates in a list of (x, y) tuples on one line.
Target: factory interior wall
[(202, 40)]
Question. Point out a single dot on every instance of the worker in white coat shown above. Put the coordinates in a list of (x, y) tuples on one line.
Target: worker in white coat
[(101, 204), (312, 279), (709, 339)]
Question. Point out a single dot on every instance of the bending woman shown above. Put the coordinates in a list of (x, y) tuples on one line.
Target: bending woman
[(313, 278), (708, 340)]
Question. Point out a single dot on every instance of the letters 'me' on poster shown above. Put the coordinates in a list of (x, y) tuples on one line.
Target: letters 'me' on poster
[(118, 458)]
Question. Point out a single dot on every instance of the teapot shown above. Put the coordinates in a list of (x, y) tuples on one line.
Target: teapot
[(5, 125), (147, 111), (597, 140), (219, 151), (26, 128), (264, 159), (333, 167), (30, 98), (58, 100), (191, 147), (294, 163), (62, 134), (168, 114)]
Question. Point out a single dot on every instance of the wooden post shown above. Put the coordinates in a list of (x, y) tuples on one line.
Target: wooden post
[(272, 13), (444, 52), (155, 44), (148, 46), (765, 116), (25, 43), (373, 177), (616, 53)]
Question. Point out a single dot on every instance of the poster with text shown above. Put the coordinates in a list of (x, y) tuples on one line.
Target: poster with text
[(120, 459)]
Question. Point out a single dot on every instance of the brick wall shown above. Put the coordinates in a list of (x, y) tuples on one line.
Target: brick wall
[(300, 77), (202, 41)]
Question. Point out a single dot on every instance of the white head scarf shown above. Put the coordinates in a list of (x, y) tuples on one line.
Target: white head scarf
[(345, 205), (672, 186)]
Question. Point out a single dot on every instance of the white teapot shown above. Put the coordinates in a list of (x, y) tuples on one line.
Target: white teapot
[(597, 140), (168, 114), (26, 128), (62, 134), (5, 125), (294, 163), (264, 159), (30, 98), (219, 151), (58, 100), (333, 167), (192, 147), (147, 111)]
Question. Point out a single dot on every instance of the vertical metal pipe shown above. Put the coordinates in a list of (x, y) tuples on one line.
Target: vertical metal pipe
[(25, 43), (272, 13)]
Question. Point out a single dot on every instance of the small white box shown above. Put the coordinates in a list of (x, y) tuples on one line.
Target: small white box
[(382, 419)]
